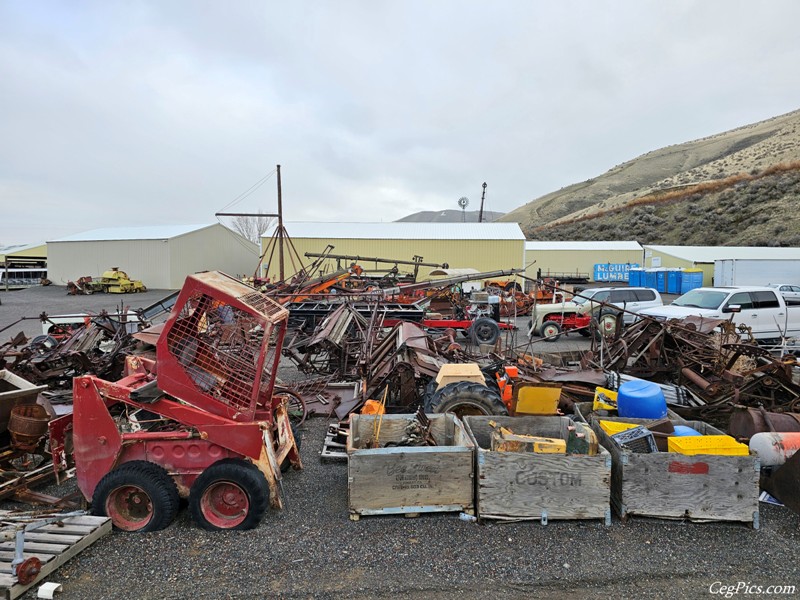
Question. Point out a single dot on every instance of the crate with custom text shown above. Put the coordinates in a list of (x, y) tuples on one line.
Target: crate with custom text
[(536, 485)]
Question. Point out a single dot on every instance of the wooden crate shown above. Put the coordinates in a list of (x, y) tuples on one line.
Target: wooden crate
[(517, 485), (667, 485), (409, 479)]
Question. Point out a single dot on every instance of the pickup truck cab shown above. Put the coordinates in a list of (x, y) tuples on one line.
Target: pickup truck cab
[(762, 309)]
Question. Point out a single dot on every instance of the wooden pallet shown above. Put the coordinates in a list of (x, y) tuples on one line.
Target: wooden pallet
[(53, 545)]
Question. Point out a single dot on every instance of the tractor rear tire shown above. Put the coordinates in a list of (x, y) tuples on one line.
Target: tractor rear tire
[(231, 494), (484, 331), (550, 331), (464, 398), (138, 496)]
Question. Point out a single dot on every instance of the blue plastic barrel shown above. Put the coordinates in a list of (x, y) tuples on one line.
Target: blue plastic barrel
[(674, 277), (684, 431), (639, 399)]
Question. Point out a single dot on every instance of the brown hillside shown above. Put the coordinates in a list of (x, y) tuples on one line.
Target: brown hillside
[(726, 164)]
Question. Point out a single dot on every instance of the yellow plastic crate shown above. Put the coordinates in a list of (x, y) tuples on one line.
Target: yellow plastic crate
[(612, 427), (723, 445), (602, 393)]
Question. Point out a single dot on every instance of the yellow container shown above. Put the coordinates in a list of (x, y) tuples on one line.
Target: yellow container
[(536, 398), (612, 427), (723, 445), (604, 399)]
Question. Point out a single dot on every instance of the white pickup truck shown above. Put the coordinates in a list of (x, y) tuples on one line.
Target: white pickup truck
[(760, 308)]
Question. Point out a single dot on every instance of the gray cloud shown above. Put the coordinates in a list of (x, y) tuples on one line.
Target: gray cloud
[(165, 111)]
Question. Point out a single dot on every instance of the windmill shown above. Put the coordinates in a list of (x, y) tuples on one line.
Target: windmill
[(463, 202)]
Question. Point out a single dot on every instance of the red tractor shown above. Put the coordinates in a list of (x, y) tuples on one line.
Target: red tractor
[(201, 421)]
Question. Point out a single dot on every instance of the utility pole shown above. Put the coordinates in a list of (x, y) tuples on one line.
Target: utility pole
[(483, 196), (280, 225)]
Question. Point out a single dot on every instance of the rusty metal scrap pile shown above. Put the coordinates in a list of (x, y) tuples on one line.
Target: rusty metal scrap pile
[(99, 347), (708, 359)]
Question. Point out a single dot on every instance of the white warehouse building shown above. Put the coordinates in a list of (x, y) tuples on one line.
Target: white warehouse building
[(161, 256)]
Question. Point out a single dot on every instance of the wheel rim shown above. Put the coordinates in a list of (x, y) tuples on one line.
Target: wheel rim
[(484, 332), (550, 331), (224, 504), (608, 324), (129, 507)]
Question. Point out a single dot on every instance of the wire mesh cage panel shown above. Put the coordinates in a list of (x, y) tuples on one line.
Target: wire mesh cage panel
[(219, 346)]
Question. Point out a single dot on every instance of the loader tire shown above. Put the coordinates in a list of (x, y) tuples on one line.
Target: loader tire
[(427, 396), (466, 398), (484, 331), (138, 496), (231, 494)]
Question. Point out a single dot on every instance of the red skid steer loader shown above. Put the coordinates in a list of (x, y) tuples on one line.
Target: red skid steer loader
[(201, 421)]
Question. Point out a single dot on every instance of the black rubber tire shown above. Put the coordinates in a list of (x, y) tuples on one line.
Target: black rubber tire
[(242, 474), (513, 286), (464, 398), (606, 323), (484, 331), (550, 331), (427, 396), (151, 479)]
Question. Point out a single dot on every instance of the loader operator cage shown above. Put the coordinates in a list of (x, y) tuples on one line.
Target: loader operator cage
[(229, 347)]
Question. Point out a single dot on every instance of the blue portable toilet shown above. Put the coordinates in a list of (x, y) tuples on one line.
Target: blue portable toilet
[(650, 278), (635, 277), (661, 280), (691, 279), (674, 277)]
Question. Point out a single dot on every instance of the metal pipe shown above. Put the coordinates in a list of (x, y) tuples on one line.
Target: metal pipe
[(374, 259)]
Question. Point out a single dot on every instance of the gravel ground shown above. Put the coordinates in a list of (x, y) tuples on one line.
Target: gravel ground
[(312, 550)]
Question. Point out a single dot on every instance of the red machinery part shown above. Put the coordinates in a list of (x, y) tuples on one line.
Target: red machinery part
[(28, 570)]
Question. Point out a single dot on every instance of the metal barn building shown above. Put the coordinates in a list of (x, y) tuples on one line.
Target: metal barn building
[(481, 246), (703, 257), (161, 256), (594, 261)]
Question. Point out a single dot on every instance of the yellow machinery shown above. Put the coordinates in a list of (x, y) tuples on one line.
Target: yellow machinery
[(118, 282)]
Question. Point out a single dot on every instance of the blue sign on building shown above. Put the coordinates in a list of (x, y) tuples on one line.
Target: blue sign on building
[(613, 271)]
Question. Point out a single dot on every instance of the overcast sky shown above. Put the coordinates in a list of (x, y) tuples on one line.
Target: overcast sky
[(135, 113)]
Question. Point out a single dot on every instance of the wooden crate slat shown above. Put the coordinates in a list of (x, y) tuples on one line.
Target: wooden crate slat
[(85, 520), (51, 538), (68, 529), (9, 588), (46, 548), (9, 556)]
